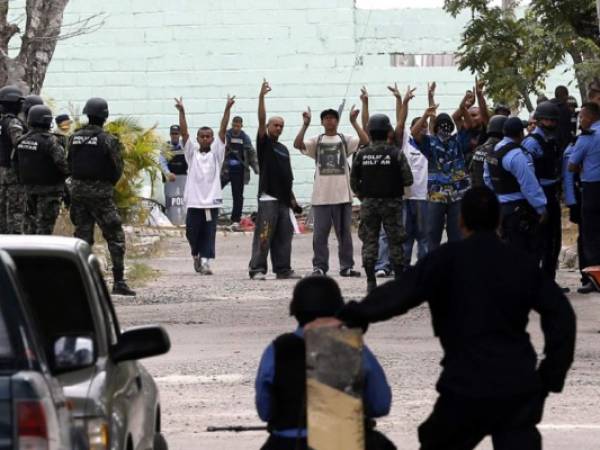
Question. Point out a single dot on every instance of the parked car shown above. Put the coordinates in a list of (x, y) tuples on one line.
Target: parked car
[(114, 398), (34, 413)]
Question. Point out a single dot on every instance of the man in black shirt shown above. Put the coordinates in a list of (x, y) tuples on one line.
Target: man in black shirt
[(274, 229), (480, 293)]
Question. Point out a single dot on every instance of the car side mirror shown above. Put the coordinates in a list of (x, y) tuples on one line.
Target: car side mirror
[(73, 352), (141, 342)]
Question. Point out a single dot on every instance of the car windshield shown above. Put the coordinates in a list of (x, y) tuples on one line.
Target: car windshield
[(57, 297)]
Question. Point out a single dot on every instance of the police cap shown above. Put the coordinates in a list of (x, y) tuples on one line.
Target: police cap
[(546, 110), (96, 107), (315, 297), (379, 122), (495, 126), (39, 116), (513, 127), (10, 94)]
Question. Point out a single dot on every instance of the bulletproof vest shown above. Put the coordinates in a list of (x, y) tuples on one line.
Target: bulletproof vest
[(503, 181), (235, 147), (177, 164), (548, 166), (478, 160), (6, 145), (381, 171), (36, 166), (90, 158), (288, 396)]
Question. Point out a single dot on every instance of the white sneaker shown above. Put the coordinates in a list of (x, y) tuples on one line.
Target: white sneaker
[(205, 267), (258, 276), (381, 273), (235, 226)]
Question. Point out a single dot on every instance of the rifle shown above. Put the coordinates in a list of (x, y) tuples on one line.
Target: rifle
[(235, 429)]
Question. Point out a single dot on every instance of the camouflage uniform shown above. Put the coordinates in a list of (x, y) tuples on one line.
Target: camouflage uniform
[(92, 201), (42, 201), (12, 194), (379, 174)]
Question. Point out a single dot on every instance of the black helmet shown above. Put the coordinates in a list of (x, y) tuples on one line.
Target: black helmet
[(546, 110), (501, 110), (379, 122), (96, 107), (315, 297), (513, 127), (11, 94), (31, 100), (39, 116), (495, 126)]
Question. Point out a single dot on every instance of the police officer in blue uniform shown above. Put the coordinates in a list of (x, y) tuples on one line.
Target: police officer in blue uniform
[(585, 160), (509, 172), (544, 147), (177, 164), (281, 379)]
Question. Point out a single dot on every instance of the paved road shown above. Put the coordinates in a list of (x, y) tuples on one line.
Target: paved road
[(219, 326)]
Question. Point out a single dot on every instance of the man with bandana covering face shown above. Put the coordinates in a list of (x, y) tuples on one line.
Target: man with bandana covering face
[(448, 180)]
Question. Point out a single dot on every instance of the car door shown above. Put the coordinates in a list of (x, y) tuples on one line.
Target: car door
[(124, 381)]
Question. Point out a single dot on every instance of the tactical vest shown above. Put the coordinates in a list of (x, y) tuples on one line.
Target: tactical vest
[(36, 166), (288, 395), (177, 164), (503, 181), (6, 145), (90, 156), (478, 160), (381, 171), (549, 165)]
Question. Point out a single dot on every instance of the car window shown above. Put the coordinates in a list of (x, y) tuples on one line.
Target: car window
[(56, 296), (6, 350), (107, 311)]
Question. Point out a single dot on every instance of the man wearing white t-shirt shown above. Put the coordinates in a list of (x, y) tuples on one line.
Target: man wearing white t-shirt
[(332, 196), (203, 193)]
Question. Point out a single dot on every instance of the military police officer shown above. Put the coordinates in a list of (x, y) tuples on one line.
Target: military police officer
[(508, 171), (12, 196), (544, 147), (495, 135), (42, 169), (380, 172), (96, 164)]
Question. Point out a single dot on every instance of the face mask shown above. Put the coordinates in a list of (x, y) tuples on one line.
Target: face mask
[(445, 130)]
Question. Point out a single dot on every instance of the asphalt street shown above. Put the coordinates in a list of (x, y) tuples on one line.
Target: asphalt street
[(219, 326)]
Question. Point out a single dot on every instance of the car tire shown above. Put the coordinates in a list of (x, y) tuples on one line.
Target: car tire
[(160, 443)]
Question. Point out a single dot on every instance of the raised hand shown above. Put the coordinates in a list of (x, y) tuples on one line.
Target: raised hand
[(394, 90), (354, 113), (410, 94), (431, 88), (179, 104), (432, 110), (479, 86), (265, 88), (364, 95), (468, 99), (230, 101), (307, 116)]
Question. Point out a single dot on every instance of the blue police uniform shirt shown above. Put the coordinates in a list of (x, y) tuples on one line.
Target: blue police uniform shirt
[(586, 153), (377, 395), (568, 178), (534, 149), (517, 163), (164, 164)]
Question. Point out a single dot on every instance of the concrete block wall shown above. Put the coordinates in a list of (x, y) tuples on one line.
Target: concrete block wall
[(150, 51)]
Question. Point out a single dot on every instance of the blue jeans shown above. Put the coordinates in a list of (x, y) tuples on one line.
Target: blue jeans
[(415, 226), (440, 215), (383, 258)]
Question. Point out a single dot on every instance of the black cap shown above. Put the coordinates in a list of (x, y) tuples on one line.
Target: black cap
[(61, 118), (174, 129), (330, 112)]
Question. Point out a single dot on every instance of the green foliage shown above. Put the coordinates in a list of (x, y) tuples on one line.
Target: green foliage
[(140, 151), (514, 53)]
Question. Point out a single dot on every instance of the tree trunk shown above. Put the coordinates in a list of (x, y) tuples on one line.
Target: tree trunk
[(581, 81), (42, 29)]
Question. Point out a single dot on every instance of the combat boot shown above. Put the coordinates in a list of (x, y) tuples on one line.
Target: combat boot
[(120, 288)]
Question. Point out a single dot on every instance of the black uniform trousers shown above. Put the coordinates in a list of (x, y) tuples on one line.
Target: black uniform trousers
[(551, 232), (461, 423), (590, 222), (235, 176), (519, 227)]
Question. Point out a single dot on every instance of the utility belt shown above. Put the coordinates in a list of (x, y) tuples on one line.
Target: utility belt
[(527, 216)]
